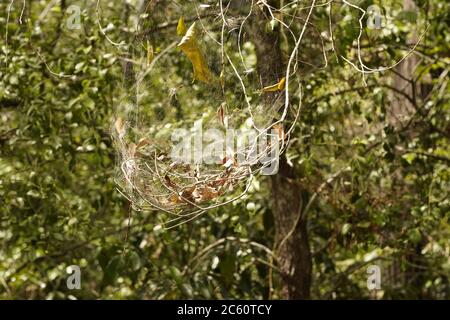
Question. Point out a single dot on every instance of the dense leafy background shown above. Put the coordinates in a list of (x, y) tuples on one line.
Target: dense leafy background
[(58, 200)]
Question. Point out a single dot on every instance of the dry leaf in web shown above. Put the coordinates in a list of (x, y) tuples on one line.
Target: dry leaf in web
[(150, 53), (142, 143), (170, 183), (181, 27), (223, 119), (132, 150), (276, 87), (278, 128), (205, 193), (190, 47), (120, 127)]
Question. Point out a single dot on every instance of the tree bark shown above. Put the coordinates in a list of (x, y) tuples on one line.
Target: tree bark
[(288, 196), (294, 253)]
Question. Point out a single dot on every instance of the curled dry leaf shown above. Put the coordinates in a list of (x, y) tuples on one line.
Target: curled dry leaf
[(181, 27), (169, 182), (205, 193), (150, 53), (221, 114), (119, 124), (185, 196), (282, 84), (142, 143), (278, 129), (276, 87), (132, 150), (175, 199), (219, 182), (191, 49)]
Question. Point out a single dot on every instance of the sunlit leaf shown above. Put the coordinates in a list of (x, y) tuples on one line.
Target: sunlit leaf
[(276, 87), (150, 53), (190, 47), (181, 27), (120, 127)]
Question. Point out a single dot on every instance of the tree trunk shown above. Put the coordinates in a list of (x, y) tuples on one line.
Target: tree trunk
[(291, 233), (288, 196), (401, 111)]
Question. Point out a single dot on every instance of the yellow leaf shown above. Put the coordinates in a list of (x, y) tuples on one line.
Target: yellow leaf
[(120, 127), (181, 28), (142, 143), (276, 87), (192, 50), (150, 53), (282, 84)]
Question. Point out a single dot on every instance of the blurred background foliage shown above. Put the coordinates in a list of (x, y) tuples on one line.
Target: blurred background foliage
[(58, 200)]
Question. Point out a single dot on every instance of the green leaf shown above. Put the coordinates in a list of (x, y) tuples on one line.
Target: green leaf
[(408, 16), (409, 157), (346, 228)]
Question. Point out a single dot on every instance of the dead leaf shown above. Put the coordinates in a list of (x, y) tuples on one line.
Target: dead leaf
[(221, 114), (276, 87), (218, 182), (132, 150), (169, 182), (175, 199), (190, 47), (282, 84), (181, 27), (278, 129), (142, 143), (185, 196), (150, 53), (205, 193), (120, 127)]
